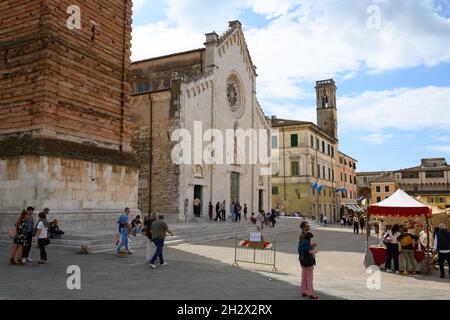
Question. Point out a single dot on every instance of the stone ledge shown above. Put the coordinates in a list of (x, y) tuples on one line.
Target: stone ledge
[(23, 146)]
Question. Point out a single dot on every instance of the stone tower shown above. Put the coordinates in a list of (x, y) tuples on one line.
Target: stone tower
[(65, 110), (326, 107)]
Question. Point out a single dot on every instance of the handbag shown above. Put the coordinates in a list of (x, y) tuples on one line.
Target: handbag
[(13, 232)]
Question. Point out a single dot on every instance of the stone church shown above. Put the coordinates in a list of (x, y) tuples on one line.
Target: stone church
[(65, 129), (214, 87)]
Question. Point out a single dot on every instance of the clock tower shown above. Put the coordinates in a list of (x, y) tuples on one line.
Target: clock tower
[(326, 107)]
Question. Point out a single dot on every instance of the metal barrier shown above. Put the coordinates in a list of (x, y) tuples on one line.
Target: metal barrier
[(262, 252)]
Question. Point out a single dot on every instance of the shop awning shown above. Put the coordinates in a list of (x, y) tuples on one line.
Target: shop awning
[(400, 204), (354, 208)]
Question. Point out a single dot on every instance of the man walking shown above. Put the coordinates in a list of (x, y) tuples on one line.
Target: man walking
[(442, 247), (159, 229), (218, 216), (223, 210), (29, 235), (355, 225), (124, 231)]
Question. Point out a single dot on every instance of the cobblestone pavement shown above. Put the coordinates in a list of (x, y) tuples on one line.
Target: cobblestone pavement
[(205, 271)]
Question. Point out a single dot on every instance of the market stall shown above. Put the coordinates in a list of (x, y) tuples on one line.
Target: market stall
[(399, 206)]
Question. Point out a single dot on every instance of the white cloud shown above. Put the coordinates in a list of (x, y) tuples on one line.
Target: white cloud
[(445, 149), (307, 40), (139, 4), (404, 109), (290, 111), (377, 138)]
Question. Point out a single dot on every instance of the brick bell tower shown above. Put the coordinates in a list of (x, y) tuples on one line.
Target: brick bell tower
[(65, 110), (326, 107)]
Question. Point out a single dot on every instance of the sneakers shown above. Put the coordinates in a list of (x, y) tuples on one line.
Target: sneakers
[(30, 260), (163, 264), (152, 266), (397, 272), (131, 252), (24, 260), (313, 297), (388, 270)]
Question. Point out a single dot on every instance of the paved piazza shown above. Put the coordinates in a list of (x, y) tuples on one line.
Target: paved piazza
[(205, 271)]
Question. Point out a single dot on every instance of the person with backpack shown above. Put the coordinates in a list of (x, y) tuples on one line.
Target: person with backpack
[(147, 226), (29, 230), (307, 252), (124, 231), (19, 234), (41, 237), (406, 242)]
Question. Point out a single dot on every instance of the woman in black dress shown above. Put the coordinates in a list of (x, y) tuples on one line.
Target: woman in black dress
[(19, 240)]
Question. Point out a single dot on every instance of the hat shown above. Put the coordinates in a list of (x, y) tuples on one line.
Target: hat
[(30, 208)]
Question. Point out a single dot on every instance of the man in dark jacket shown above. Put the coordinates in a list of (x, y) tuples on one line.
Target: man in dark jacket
[(442, 246)]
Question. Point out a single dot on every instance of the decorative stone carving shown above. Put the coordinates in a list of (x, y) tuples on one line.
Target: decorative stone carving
[(198, 171)]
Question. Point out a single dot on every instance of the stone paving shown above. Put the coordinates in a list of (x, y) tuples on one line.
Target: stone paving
[(205, 271)]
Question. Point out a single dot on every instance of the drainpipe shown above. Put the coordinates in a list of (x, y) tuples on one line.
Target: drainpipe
[(150, 157)]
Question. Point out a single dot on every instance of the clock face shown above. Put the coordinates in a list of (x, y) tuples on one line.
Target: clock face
[(235, 98)]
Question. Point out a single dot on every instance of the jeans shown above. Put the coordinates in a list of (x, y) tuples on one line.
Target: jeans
[(392, 252), (442, 257), (41, 244), (159, 243), (356, 228), (28, 244), (409, 260), (123, 242)]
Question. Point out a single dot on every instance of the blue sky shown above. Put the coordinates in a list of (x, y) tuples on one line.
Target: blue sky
[(390, 61)]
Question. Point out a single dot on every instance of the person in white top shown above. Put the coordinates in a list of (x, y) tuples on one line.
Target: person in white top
[(423, 235), (442, 247), (42, 237), (392, 250)]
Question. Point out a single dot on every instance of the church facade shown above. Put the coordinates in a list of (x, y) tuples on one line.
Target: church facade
[(208, 98)]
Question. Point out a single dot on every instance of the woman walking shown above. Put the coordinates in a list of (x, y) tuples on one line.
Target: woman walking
[(390, 239), (218, 217), (19, 241), (42, 237), (307, 252)]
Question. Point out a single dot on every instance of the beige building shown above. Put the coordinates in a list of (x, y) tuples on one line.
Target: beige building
[(304, 153), (347, 181), (195, 91), (382, 188)]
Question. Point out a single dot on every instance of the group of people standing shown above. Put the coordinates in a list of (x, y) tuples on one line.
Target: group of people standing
[(236, 211), (27, 233), (358, 222)]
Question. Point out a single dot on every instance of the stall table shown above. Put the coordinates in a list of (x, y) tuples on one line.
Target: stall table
[(379, 256)]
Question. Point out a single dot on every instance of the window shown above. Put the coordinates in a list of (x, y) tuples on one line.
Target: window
[(354, 165), (274, 190), (329, 174), (378, 188), (275, 169), (323, 170), (341, 160), (341, 177), (386, 188), (323, 146), (332, 151), (386, 197), (410, 175), (317, 143), (432, 199), (434, 174), (351, 181), (295, 169), (274, 142), (318, 170), (329, 150), (351, 195), (441, 200), (294, 140), (312, 141), (378, 199), (345, 177), (332, 176), (143, 86)]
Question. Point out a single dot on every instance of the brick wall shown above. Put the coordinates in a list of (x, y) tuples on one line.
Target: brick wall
[(62, 83)]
